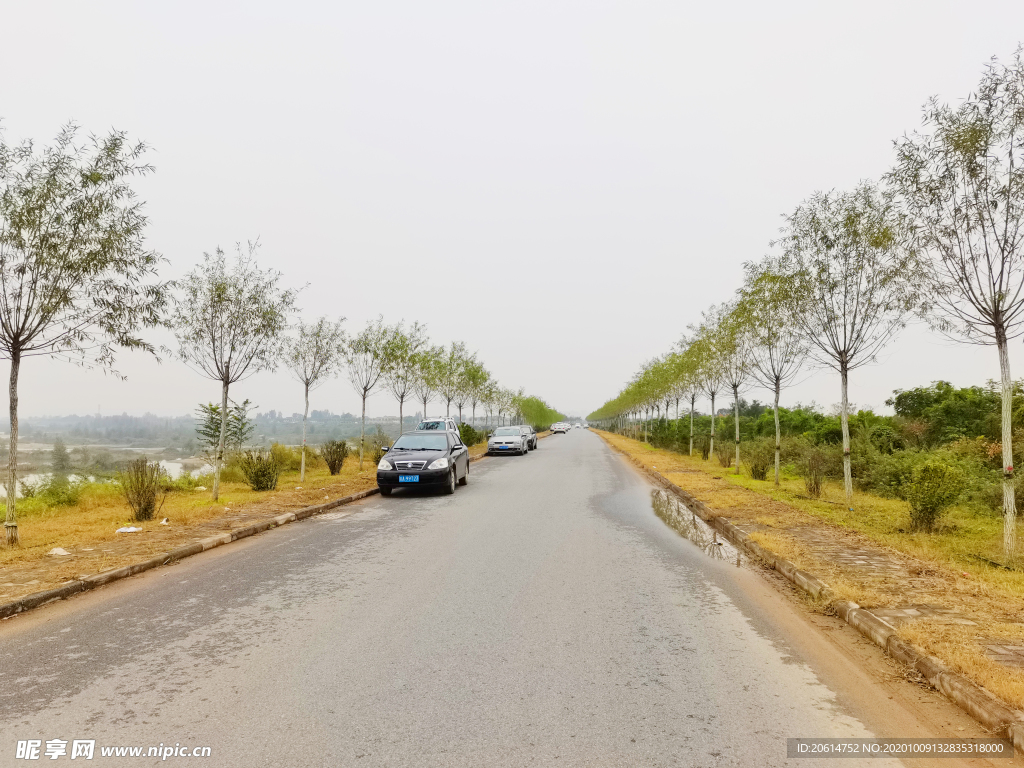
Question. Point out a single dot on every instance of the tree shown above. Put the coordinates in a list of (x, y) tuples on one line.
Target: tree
[(61, 462), (400, 379), (469, 376), (777, 350), (314, 355), (449, 373), (76, 281), (229, 322), (735, 361), (369, 358), (477, 380), (850, 281), (962, 181), (707, 349), (427, 374)]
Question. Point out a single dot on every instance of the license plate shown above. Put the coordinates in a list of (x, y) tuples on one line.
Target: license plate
[(408, 478), (502, 447)]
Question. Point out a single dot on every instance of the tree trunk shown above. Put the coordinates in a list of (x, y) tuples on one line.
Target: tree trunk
[(424, 408), (845, 417), (460, 412), (305, 413), (223, 438), (401, 416), (1009, 496), (362, 433), (736, 410), (473, 417), (712, 424), (693, 403), (778, 431), (11, 520)]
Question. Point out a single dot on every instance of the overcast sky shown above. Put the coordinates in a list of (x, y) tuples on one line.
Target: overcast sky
[(562, 185)]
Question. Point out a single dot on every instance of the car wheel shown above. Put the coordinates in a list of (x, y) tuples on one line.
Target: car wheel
[(450, 487), (386, 491), (465, 477)]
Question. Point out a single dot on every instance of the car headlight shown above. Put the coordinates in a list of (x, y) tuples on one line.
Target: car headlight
[(441, 463), (384, 464)]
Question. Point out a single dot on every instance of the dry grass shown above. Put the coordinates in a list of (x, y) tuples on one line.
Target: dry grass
[(941, 568), (102, 510)]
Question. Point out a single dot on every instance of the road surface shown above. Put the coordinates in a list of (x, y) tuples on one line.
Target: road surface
[(543, 615)]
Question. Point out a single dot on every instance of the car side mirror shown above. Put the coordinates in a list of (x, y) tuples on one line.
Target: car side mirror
[(386, 449)]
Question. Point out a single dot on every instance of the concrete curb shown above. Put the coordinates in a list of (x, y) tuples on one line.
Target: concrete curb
[(71, 588), (37, 599), (970, 697)]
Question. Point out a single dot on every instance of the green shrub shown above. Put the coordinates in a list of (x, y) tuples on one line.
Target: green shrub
[(333, 452), (288, 459), (260, 469), (469, 435), (818, 463), (375, 445), (724, 452), (142, 483), (58, 490), (703, 444), (934, 486), (759, 456)]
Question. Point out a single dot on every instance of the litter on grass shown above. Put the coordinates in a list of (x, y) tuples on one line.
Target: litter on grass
[(58, 551), (128, 529)]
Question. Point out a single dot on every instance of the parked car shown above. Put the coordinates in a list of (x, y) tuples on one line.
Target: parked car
[(508, 440), (559, 428), (442, 423), (429, 458), (531, 437)]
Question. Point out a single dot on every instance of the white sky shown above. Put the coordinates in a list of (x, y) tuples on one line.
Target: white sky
[(601, 169)]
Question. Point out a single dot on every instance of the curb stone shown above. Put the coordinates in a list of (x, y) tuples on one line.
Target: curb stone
[(36, 599), (970, 697)]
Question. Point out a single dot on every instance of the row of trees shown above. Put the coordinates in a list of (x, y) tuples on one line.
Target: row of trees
[(77, 282), (941, 238)]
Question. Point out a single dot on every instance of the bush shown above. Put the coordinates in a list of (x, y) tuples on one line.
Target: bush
[(333, 453), (469, 435), (725, 453), (933, 487), (817, 464), (142, 483), (703, 444), (260, 469), (375, 445), (288, 459), (759, 457)]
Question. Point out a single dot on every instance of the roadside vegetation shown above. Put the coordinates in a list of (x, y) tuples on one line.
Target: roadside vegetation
[(941, 238)]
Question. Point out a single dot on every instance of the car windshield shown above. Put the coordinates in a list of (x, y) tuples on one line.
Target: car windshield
[(421, 443), (507, 431), (431, 425), (525, 430)]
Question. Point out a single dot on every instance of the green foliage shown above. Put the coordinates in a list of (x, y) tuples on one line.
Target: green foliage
[(143, 483), (375, 445), (469, 435), (759, 457), (724, 452), (237, 432), (333, 453), (61, 461), (260, 469), (537, 413), (934, 485), (288, 459), (817, 463), (949, 413), (56, 491)]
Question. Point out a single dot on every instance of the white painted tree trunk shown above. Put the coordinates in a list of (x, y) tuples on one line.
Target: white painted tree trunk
[(712, 451), (223, 438), (1009, 495), (693, 401), (845, 418), (11, 518), (736, 411), (302, 466), (778, 431), (362, 433)]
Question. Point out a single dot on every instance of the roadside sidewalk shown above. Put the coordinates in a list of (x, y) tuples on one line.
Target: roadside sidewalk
[(963, 635)]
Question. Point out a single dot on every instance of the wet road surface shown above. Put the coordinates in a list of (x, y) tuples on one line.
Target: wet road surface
[(543, 615)]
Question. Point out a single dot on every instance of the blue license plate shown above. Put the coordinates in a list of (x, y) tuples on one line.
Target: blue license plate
[(502, 447), (408, 478)]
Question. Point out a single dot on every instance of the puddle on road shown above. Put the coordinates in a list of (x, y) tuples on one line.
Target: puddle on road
[(683, 521)]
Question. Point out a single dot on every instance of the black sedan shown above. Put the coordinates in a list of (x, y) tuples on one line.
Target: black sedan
[(424, 459)]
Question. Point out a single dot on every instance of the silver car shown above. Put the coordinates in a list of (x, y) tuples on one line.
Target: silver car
[(531, 437), (508, 440)]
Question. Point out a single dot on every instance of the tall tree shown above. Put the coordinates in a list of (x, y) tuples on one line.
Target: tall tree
[(707, 351), (229, 322), (313, 355), (449, 373), (400, 378), (735, 350), (962, 180), (850, 279), (76, 281), (369, 359), (424, 386), (777, 350)]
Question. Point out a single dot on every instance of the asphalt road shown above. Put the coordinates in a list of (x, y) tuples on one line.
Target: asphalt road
[(543, 615)]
